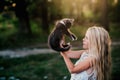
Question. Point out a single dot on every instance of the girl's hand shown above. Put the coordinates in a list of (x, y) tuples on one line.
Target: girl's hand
[(72, 54), (62, 53)]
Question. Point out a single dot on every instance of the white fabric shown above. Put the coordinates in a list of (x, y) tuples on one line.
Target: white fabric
[(83, 75)]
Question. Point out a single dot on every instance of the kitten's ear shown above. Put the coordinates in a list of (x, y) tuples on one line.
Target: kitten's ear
[(72, 20)]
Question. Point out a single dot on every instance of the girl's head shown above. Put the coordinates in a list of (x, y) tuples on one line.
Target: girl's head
[(97, 38), (97, 41)]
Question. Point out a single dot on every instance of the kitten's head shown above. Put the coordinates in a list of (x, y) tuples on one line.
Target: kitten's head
[(67, 22)]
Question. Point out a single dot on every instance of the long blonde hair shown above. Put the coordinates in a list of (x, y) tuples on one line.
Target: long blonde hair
[(99, 48)]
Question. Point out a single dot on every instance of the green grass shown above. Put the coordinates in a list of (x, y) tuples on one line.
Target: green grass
[(46, 67), (34, 67), (116, 62)]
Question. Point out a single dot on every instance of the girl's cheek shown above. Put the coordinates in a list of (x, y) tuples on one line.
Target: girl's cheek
[(85, 46)]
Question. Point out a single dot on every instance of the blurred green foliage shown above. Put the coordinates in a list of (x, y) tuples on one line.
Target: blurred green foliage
[(86, 14), (34, 67), (9, 35)]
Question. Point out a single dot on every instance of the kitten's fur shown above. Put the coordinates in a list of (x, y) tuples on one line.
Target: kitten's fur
[(56, 39)]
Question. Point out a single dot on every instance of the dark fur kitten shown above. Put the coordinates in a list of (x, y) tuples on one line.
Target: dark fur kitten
[(56, 39)]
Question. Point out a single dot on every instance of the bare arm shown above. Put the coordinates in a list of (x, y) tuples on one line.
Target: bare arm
[(81, 66), (74, 54)]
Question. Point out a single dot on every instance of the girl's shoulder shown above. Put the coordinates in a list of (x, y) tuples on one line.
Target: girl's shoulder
[(85, 53)]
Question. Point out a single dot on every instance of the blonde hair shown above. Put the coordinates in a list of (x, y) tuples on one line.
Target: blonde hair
[(99, 48)]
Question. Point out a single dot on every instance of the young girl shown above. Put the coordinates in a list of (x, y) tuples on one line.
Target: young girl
[(95, 60)]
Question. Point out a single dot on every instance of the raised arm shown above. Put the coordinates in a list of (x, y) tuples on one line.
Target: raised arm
[(74, 54), (81, 66)]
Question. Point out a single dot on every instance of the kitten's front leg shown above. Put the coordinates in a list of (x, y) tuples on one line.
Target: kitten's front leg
[(71, 35)]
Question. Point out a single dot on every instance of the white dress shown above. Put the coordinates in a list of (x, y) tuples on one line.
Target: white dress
[(83, 75)]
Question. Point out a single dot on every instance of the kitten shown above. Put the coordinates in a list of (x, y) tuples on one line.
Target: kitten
[(56, 39)]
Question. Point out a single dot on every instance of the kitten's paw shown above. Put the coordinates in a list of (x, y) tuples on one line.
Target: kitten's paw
[(68, 43), (74, 37)]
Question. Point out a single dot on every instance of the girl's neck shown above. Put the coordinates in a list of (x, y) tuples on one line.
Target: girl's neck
[(86, 51)]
